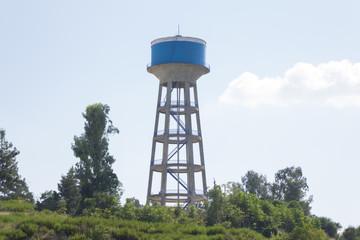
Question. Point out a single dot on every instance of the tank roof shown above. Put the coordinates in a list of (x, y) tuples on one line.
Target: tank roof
[(178, 38)]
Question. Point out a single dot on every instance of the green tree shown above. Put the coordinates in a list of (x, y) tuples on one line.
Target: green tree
[(129, 211), (94, 167), (49, 200), (215, 207), (62, 207), (256, 184), (290, 184), (251, 206), (232, 187), (69, 191), (331, 228), (134, 201), (11, 184), (307, 231), (349, 233)]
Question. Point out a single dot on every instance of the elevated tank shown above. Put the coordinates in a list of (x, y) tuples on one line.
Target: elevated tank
[(177, 156), (178, 58)]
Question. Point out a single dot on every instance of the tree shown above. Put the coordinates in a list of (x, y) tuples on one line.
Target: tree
[(215, 206), (11, 184), (94, 168), (308, 232), (48, 200), (232, 187), (331, 228), (290, 184), (69, 191), (134, 201), (256, 184), (349, 233)]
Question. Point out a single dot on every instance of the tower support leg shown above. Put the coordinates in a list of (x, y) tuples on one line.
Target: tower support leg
[(166, 144), (201, 148), (189, 146), (153, 149)]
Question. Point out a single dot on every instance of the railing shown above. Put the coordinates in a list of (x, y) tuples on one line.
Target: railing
[(178, 179), (179, 121), (177, 132), (181, 191), (176, 103), (176, 149), (173, 161), (199, 192), (174, 191)]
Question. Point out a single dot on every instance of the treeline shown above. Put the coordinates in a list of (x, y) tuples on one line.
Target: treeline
[(233, 215), (278, 210), (51, 225)]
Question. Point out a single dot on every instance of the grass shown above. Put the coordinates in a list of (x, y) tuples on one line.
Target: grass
[(16, 206), (26, 223), (39, 225)]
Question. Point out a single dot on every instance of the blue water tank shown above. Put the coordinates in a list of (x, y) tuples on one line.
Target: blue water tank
[(178, 49)]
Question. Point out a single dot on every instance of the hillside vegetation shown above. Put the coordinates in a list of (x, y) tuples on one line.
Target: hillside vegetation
[(156, 222), (87, 205)]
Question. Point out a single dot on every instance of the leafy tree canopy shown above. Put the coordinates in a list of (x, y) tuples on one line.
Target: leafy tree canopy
[(69, 191), (257, 184), (94, 167), (290, 184), (11, 184), (331, 228), (48, 200)]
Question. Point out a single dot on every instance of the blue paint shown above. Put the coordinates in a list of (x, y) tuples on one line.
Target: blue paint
[(178, 52)]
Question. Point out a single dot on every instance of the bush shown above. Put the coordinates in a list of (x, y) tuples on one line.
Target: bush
[(215, 230), (16, 206), (4, 233), (99, 233), (217, 237), (29, 229), (307, 231), (67, 229), (194, 230), (246, 234), (125, 233), (79, 236), (17, 234)]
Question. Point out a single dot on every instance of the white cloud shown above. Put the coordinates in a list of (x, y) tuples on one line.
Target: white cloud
[(336, 83), (344, 101)]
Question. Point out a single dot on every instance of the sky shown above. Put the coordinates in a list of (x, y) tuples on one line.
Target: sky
[(283, 90)]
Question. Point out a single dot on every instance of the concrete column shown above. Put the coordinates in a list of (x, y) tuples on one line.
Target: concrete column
[(156, 128), (166, 144), (201, 148), (189, 146)]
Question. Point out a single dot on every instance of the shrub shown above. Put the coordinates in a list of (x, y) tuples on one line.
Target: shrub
[(79, 236), (16, 206), (246, 234), (217, 237), (17, 234), (67, 229), (194, 230), (125, 234), (307, 231), (99, 233), (29, 229), (4, 233), (62, 207), (215, 230)]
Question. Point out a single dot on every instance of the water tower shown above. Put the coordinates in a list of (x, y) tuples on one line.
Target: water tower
[(177, 167)]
